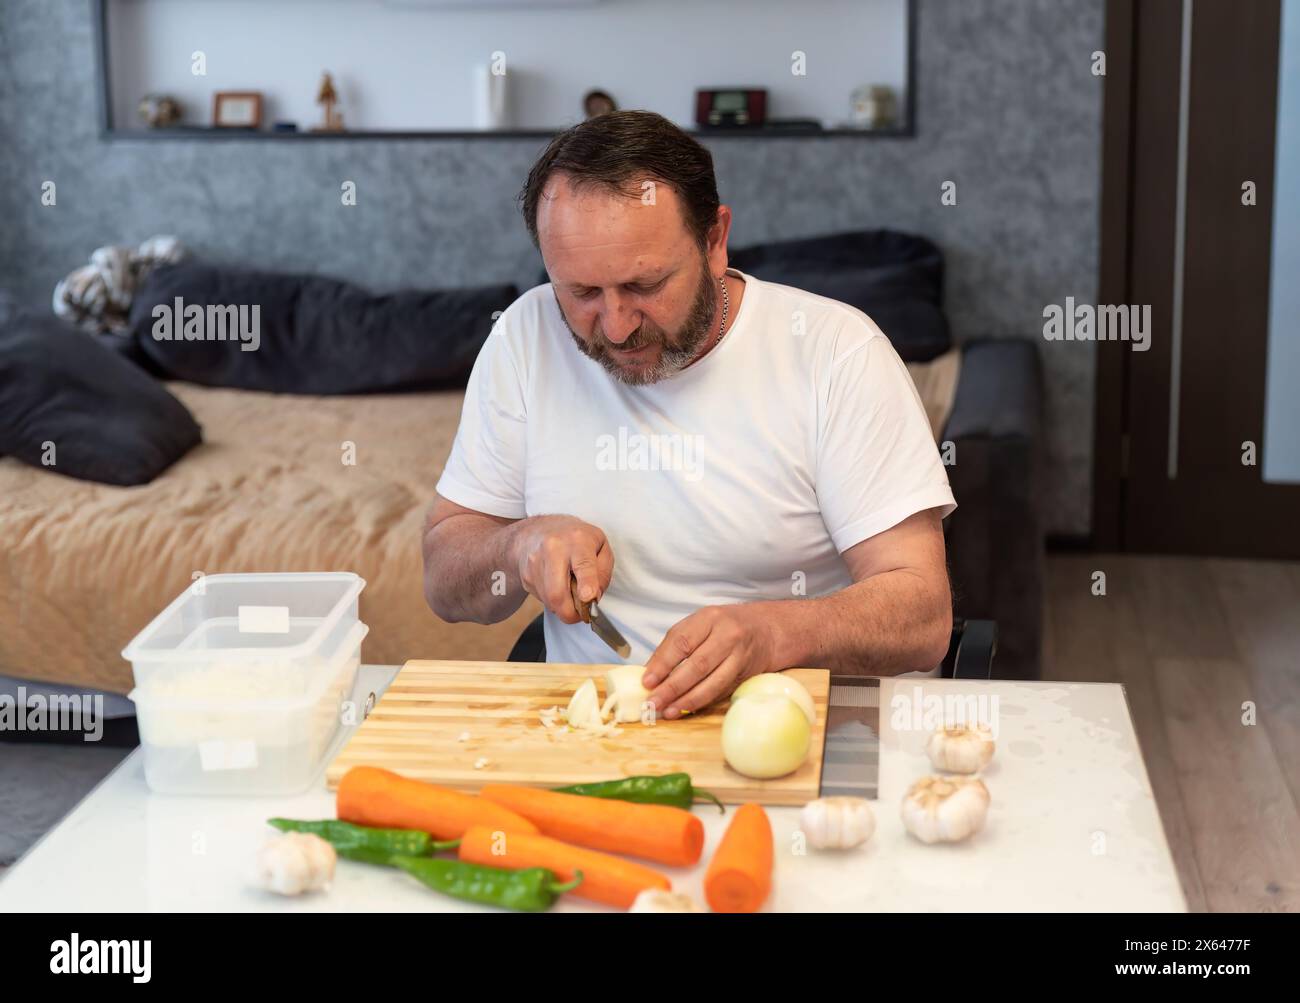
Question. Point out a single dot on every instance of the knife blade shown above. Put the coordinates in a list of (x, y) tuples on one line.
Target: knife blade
[(851, 748), (600, 625)]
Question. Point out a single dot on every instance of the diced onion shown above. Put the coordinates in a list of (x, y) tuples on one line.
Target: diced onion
[(624, 693)]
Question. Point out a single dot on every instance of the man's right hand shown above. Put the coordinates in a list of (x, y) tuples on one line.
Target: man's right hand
[(548, 549)]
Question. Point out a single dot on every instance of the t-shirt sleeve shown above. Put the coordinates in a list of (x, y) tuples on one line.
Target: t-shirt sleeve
[(485, 470), (877, 462)]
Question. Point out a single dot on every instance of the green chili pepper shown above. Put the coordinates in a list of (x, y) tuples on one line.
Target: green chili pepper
[(359, 842), (673, 789), (532, 889)]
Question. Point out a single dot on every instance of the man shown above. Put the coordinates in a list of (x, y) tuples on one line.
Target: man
[(739, 471)]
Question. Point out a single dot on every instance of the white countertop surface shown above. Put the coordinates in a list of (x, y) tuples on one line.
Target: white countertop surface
[(1072, 827)]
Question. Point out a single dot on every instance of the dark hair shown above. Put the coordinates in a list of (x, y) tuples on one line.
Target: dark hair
[(619, 147)]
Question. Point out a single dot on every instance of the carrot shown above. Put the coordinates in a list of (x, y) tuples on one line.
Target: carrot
[(661, 833), (740, 873), (368, 795), (605, 879)]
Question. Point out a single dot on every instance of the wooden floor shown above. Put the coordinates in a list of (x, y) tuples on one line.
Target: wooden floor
[(1194, 641)]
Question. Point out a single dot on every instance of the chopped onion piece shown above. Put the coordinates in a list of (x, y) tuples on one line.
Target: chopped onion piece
[(625, 694)]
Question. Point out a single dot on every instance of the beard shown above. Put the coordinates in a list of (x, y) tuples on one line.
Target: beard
[(676, 352)]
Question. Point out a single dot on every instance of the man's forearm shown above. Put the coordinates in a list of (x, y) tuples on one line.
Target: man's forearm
[(898, 621), (469, 570)]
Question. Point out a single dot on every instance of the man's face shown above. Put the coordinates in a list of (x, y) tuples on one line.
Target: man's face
[(633, 287)]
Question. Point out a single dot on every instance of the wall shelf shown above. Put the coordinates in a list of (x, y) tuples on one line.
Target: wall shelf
[(204, 134), (110, 131)]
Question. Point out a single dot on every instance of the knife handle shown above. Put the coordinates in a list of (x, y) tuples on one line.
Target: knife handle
[(583, 608)]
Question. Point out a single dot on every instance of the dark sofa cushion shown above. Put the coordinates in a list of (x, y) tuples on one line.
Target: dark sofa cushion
[(314, 335), (108, 420), (895, 278)]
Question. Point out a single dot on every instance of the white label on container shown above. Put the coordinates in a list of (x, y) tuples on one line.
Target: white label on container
[(219, 754), (264, 619)]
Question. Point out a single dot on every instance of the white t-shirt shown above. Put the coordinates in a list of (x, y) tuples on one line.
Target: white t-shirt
[(743, 477)]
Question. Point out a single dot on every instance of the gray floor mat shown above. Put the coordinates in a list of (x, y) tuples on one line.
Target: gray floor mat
[(40, 783)]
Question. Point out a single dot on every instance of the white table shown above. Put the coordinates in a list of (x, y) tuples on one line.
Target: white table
[(1073, 827)]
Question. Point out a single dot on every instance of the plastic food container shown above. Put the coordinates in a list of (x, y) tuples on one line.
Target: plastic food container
[(241, 683)]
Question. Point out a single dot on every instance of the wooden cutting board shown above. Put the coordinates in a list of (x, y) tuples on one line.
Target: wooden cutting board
[(418, 729)]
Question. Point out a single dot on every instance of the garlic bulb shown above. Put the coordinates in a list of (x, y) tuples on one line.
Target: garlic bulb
[(624, 693), (658, 900), (296, 862), (837, 823), (961, 749), (945, 809)]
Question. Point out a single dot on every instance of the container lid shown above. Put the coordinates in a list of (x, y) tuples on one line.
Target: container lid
[(251, 604)]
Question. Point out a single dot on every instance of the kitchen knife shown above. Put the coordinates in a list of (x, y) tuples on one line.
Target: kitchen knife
[(851, 753), (600, 624)]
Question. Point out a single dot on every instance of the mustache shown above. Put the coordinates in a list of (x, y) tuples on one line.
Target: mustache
[(639, 339)]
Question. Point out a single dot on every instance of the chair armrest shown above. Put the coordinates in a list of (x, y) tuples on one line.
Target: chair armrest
[(974, 645), (531, 646), (995, 539)]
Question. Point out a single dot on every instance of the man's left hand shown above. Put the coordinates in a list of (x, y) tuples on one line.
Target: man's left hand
[(708, 654)]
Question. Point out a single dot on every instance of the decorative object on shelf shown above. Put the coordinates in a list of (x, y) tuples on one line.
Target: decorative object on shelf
[(284, 126), (237, 110), (731, 107), (327, 98), (597, 103), (491, 98), (874, 107), (159, 110)]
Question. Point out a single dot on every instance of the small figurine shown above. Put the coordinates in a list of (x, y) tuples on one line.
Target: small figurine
[(326, 97)]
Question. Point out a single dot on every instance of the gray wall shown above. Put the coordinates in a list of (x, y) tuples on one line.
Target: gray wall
[(1007, 108)]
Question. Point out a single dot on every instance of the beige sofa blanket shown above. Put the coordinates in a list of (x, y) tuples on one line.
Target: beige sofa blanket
[(86, 566)]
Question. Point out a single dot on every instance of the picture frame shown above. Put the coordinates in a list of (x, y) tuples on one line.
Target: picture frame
[(237, 110)]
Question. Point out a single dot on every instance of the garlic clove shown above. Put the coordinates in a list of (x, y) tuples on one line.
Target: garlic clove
[(945, 809), (296, 862), (658, 900), (837, 823), (961, 749)]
